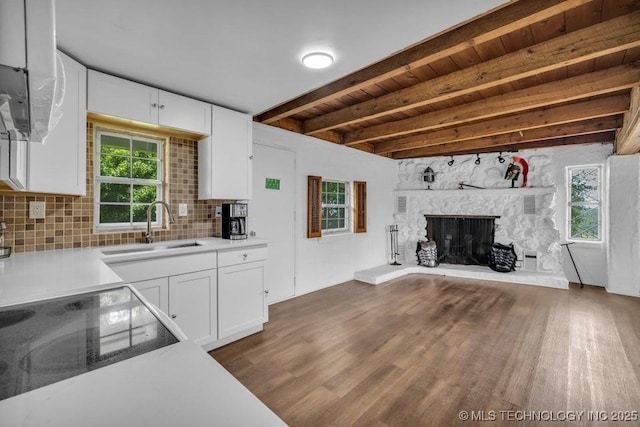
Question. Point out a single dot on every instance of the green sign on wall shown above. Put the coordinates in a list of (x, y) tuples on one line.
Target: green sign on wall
[(272, 183)]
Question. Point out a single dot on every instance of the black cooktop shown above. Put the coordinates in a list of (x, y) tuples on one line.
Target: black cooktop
[(48, 341)]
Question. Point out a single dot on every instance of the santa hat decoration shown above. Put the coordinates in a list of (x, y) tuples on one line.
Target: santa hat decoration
[(525, 168)]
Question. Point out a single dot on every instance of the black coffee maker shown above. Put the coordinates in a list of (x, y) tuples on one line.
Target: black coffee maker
[(234, 221)]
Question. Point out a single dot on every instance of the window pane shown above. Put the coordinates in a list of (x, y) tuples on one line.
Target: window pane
[(144, 193), (341, 223), (333, 223), (114, 145), (585, 222), (145, 149), (115, 166), (331, 187), (585, 185), (145, 169), (340, 187), (114, 214), (140, 213), (332, 198), (341, 199), (120, 193)]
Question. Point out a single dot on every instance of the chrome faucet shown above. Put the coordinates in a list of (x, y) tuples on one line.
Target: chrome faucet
[(149, 235)]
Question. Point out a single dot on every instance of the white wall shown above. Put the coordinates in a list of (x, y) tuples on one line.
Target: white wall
[(331, 260), (624, 217)]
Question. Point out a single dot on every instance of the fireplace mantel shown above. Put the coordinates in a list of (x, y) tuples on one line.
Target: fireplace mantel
[(479, 192)]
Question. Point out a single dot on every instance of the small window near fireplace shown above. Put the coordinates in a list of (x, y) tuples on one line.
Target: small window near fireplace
[(584, 214)]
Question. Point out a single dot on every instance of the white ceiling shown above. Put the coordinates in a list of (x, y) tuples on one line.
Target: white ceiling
[(246, 54)]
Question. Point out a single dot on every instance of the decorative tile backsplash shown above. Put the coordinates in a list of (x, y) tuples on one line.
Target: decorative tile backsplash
[(69, 219)]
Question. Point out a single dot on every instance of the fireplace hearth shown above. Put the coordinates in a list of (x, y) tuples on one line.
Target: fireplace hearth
[(462, 239)]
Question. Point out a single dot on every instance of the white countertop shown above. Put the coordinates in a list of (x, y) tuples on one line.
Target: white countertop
[(36, 275), (178, 385)]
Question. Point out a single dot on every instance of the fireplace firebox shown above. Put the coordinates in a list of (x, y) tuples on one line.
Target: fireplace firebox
[(462, 239)]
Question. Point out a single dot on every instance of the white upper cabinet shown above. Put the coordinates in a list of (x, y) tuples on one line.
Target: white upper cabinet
[(122, 98), (118, 97), (224, 158), (63, 155), (180, 112)]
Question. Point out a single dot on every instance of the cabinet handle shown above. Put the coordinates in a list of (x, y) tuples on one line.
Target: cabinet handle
[(244, 256), (250, 157), (161, 106), (266, 291), (173, 316), (154, 105)]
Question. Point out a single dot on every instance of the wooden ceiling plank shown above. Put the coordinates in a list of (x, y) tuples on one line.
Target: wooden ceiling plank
[(611, 36), (584, 86), (500, 142), (592, 138), (628, 138), (502, 21), (529, 120)]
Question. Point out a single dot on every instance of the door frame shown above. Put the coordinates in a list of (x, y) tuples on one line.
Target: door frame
[(295, 213)]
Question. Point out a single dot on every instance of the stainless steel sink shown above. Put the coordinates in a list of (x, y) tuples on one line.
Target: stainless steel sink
[(150, 248)]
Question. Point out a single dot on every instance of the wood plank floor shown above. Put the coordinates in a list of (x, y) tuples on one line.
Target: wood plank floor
[(417, 350)]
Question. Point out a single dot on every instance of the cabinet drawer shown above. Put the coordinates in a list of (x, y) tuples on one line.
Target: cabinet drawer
[(242, 256)]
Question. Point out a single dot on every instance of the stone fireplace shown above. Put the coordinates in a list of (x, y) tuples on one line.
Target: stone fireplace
[(522, 216)]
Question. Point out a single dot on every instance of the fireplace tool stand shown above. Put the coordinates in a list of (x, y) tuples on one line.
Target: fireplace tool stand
[(573, 262), (393, 232)]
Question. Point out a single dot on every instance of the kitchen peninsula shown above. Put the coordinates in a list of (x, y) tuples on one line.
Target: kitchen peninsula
[(174, 385)]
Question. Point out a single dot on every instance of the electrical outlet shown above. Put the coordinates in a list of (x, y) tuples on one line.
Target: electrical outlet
[(218, 212), (182, 209), (36, 210)]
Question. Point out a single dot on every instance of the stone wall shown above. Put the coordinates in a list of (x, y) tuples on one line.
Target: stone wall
[(536, 231)]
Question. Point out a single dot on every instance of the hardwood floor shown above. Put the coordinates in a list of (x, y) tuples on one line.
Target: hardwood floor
[(420, 349)]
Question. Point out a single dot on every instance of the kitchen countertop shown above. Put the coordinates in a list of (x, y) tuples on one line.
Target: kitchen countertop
[(30, 276), (174, 386)]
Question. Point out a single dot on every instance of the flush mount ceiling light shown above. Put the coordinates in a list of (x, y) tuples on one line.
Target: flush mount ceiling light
[(317, 60)]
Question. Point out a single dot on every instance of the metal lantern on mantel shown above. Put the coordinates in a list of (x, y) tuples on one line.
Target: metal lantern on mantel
[(428, 176)]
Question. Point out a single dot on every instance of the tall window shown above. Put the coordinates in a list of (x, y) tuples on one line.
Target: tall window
[(585, 203), (129, 171), (335, 206)]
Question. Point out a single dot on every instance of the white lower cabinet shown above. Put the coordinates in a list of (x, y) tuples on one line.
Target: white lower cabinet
[(156, 291), (241, 298), (193, 303)]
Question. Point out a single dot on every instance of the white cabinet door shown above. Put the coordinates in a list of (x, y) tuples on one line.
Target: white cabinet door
[(63, 155), (156, 291), (193, 305), (241, 298), (180, 112), (13, 163), (122, 98), (224, 158)]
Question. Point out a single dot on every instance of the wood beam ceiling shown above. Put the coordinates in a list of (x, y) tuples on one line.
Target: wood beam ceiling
[(523, 75), (596, 41), (530, 120), (574, 88), (517, 139), (510, 18)]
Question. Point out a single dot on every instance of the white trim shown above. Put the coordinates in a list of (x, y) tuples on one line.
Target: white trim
[(347, 206), (600, 205), (98, 179)]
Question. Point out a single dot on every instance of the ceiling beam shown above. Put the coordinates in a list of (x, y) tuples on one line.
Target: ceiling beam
[(574, 112), (628, 138), (592, 138), (598, 40), (507, 19), (515, 139), (294, 125), (578, 87)]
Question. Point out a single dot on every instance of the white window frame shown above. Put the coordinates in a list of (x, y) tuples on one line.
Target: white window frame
[(347, 209), (98, 179), (599, 204)]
